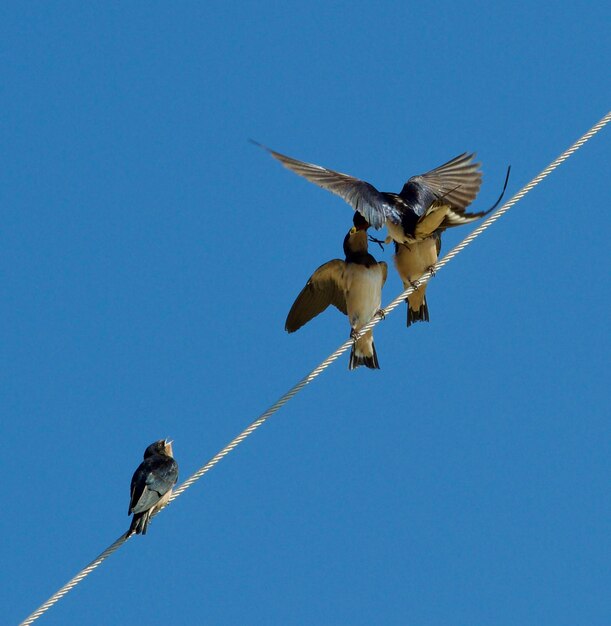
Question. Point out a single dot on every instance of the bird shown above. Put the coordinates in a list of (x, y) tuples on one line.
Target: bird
[(427, 205), (411, 261), (151, 485), (354, 286)]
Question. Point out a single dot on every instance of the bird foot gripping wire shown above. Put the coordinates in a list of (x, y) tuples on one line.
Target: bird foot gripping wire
[(355, 334)]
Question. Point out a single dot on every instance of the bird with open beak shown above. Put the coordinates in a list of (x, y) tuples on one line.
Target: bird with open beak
[(415, 218), (151, 485), (354, 286)]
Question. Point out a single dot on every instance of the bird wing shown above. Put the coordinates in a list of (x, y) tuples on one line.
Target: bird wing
[(360, 195), (456, 182), (433, 219), (152, 480), (441, 196), (324, 287)]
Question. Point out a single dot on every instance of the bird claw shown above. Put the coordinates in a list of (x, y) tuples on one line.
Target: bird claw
[(381, 313), (415, 284), (380, 242), (432, 270)]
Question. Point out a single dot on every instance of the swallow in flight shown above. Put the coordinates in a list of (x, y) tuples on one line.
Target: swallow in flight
[(151, 485), (428, 203), (354, 286)]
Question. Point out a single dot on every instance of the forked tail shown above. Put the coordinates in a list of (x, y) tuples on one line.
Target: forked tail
[(364, 353)]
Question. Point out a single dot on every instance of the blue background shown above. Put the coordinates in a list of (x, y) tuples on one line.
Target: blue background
[(149, 255)]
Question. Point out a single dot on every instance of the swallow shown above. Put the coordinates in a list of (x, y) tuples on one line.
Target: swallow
[(151, 485), (412, 260), (427, 205), (354, 286)]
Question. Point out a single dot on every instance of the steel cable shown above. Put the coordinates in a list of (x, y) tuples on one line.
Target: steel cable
[(325, 364)]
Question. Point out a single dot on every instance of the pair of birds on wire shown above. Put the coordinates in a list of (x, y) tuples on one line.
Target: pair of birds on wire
[(415, 218), (427, 205)]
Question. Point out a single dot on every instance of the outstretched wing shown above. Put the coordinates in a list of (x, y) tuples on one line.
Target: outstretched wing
[(360, 195), (325, 287), (441, 196), (456, 182)]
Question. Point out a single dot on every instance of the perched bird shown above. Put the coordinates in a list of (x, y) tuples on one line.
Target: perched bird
[(412, 260), (354, 286), (151, 485), (415, 218)]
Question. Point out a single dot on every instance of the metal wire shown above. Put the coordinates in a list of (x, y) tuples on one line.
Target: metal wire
[(325, 364)]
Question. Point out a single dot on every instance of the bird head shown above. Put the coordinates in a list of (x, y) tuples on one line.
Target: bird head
[(356, 239), (157, 447), (360, 223)]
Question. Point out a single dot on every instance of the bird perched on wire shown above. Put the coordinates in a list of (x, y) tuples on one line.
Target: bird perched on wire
[(354, 286), (414, 257), (412, 260), (415, 218), (151, 485)]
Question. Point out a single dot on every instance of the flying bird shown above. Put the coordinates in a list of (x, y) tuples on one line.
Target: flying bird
[(428, 203), (415, 218), (151, 485), (354, 286)]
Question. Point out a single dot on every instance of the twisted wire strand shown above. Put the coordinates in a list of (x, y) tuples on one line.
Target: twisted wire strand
[(234, 443)]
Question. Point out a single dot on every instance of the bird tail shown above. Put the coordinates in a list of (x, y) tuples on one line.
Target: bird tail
[(364, 353), (417, 308), (139, 525)]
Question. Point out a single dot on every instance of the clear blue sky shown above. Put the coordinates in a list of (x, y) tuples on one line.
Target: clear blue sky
[(149, 255)]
